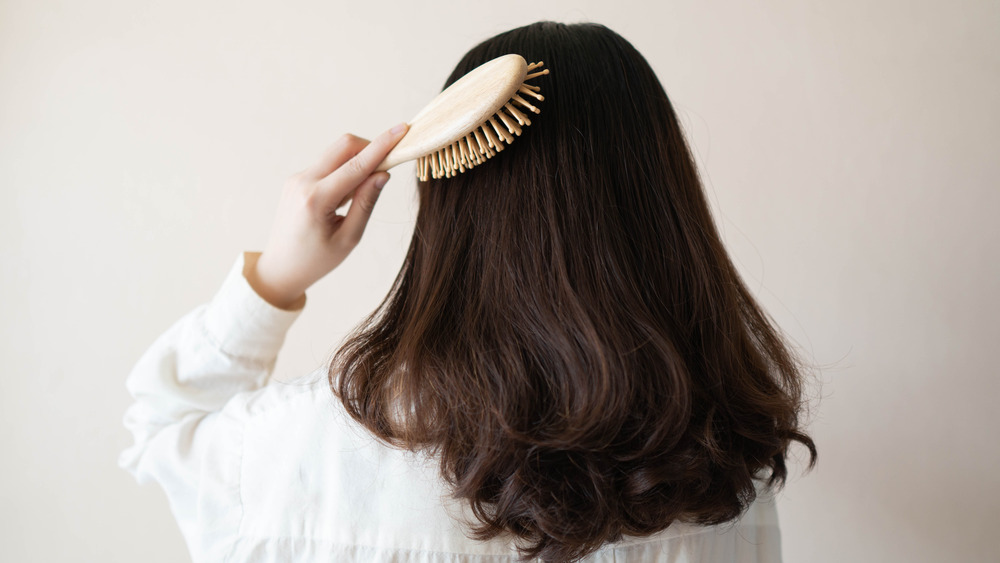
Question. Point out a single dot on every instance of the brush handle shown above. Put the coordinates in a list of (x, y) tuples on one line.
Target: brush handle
[(460, 109)]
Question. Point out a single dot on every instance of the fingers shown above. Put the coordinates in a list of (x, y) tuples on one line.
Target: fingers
[(342, 181), (361, 208), (342, 150)]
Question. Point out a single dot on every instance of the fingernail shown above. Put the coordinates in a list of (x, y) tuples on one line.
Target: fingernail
[(381, 182), (398, 129)]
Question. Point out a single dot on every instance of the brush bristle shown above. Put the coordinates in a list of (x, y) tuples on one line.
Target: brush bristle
[(488, 138)]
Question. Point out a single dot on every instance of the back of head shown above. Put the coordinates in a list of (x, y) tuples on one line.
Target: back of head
[(567, 332)]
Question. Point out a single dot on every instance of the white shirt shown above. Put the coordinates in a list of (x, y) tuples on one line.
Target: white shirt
[(259, 471)]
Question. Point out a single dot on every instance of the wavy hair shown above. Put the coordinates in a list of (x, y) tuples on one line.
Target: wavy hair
[(567, 333)]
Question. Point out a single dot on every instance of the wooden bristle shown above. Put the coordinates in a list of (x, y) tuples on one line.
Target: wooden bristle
[(456, 158), (463, 146), (494, 140), (501, 132), (511, 126), (476, 158), (524, 103), (484, 146), (533, 93), (520, 117)]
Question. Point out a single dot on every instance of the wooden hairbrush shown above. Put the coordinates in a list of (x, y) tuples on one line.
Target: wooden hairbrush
[(470, 120)]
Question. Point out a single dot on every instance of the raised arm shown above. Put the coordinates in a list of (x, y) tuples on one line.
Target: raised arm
[(192, 385)]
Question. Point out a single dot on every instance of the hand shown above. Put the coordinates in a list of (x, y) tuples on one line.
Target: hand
[(309, 239)]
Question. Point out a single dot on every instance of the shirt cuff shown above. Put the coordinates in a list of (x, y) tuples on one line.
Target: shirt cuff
[(242, 323)]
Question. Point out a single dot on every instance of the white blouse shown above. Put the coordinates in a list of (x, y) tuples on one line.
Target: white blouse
[(259, 471)]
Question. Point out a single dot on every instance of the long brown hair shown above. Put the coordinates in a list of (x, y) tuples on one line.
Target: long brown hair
[(567, 333)]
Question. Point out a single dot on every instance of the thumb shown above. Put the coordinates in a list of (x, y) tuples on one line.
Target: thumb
[(361, 207)]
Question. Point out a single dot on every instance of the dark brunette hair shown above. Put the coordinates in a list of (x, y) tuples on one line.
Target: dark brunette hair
[(567, 333)]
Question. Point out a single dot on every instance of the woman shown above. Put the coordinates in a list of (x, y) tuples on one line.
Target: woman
[(567, 366)]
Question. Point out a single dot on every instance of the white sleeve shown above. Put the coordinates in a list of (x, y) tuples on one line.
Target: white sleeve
[(190, 389)]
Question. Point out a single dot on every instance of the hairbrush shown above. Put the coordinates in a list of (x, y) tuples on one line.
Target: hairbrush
[(471, 120)]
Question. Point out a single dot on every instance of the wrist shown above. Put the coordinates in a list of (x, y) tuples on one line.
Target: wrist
[(270, 289)]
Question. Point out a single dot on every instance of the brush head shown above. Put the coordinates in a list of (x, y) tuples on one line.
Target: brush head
[(471, 120)]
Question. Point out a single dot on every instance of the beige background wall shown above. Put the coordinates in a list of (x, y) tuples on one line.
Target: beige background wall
[(850, 149)]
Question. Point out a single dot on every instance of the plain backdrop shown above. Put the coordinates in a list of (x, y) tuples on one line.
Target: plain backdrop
[(849, 150)]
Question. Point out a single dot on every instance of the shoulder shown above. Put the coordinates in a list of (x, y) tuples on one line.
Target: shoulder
[(280, 395), (308, 470), (301, 413)]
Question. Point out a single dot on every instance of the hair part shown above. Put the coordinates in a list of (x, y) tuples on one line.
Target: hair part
[(567, 332)]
